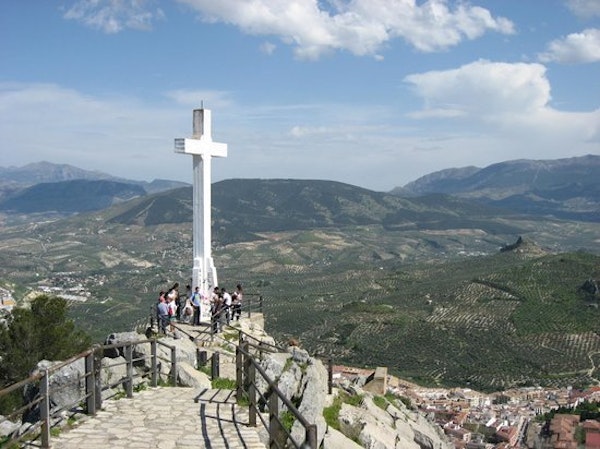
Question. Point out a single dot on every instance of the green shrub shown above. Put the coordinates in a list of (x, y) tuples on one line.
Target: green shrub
[(43, 331), (287, 420)]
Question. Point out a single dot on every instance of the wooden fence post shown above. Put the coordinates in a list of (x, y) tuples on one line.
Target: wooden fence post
[(252, 395), (239, 371), (329, 375), (277, 437), (201, 358), (214, 366), (154, 363), (311, 436), (246, 365), (98, 352), (45, 410), (174, 366), (129, 371), (90, 384)]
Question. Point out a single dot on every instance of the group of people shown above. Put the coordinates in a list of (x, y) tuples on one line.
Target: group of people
[(225, 307), (186, 308)]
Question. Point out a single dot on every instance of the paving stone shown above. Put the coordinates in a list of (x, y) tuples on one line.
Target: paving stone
[(165, 418)]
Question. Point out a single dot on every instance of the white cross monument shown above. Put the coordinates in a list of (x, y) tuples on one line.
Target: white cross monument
[(203, 149)]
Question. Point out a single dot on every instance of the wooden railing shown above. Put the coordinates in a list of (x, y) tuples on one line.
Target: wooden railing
[(247, 369), (249, 351), (90, 385)]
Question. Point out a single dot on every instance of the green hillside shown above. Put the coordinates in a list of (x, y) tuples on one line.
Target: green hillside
[(489, 322)]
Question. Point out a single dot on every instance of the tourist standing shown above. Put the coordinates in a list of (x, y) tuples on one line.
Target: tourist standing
[(172, 311), (237, 297), (196, 304), (226, 305), (173, 294), (215, 309), (162, 313)]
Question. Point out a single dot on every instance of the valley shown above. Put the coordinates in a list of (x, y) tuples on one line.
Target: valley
[(437, 307)]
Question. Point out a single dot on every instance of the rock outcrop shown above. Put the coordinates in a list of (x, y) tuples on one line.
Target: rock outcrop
[(303, 380), (377, 422), (388, 424)]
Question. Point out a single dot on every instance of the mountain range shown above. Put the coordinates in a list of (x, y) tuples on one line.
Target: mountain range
[(15, 181), (564, 188)]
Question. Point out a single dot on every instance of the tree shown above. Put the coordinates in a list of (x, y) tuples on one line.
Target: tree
[(43, 331)]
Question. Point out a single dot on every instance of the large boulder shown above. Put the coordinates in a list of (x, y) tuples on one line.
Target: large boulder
[(313, 394), (188, 376), (66, 386), (303, 381), (122, 338)]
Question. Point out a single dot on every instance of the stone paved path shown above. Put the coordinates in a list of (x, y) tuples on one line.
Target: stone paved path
[(165, 418)]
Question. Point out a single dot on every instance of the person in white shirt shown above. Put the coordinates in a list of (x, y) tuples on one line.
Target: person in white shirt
[(227, 300)]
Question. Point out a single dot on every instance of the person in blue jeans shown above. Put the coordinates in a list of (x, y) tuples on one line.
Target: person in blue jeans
[(162, 312)]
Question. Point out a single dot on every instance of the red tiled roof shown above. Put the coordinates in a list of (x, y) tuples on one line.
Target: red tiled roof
[(592, 440)]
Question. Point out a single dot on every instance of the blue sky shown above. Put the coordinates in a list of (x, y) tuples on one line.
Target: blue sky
[(375, 93)]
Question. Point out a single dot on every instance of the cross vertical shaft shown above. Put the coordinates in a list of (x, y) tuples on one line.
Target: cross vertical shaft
[(203, 149)]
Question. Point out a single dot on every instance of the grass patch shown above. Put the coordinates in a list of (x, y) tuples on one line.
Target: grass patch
[(222, 383), (380, 402), (244, 401), (332, 412), (7, 443), (205, 369), (230, 336), (164, 383), (392, 398), (71, 421)]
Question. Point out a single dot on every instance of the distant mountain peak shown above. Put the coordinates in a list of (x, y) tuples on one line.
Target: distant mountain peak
[(564, 188)]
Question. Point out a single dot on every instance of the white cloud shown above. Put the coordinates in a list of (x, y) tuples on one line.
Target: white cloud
[(575, 48), (361, 27), (585, 9), (508, 103), (112, 16), (483, 89)]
